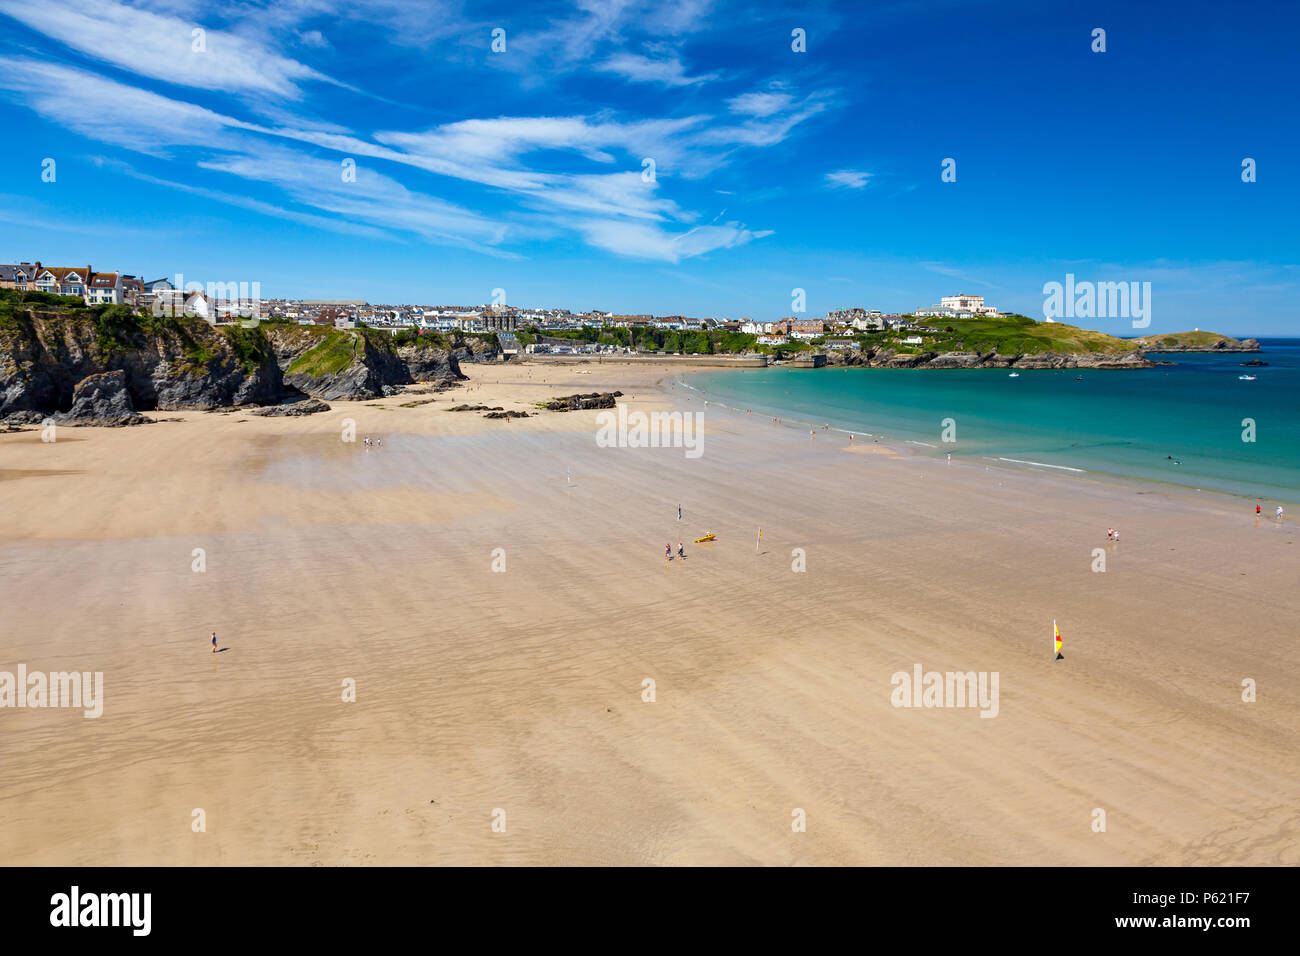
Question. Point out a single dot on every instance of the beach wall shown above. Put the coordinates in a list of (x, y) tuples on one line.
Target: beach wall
[(712, 361)]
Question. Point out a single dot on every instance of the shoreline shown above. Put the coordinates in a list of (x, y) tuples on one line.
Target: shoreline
[(1140, 483)]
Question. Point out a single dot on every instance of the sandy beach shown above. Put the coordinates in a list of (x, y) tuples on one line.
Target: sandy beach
[(522, 690)]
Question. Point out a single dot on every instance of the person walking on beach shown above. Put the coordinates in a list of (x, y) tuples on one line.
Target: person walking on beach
[(668, 551), (214, 642), (681, 552), (1257, 510), (679, 512), (1279, 512)]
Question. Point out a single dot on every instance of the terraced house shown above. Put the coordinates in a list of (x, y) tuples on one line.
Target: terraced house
[(96, 288), (62, 280), (18, 276), (104, 288)]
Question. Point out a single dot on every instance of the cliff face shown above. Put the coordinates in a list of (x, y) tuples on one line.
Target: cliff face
[(174, 363), (476, 350), (166, 364), (336, 364), (428, 363), (885, 357)]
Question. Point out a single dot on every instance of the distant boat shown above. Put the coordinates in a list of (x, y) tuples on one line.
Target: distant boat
[(1014, 375), (1247, 378)]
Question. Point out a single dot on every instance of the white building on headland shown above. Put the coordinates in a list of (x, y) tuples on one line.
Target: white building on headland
[(964, 305)]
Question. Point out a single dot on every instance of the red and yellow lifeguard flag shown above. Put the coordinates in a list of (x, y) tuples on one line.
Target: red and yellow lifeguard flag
[(1056, 633)]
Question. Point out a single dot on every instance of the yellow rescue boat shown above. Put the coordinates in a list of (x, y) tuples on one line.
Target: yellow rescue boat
[(709, 536)]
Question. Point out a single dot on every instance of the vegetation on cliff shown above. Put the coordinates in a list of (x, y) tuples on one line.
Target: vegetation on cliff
[(1009, 335), (1196, 341), (335, 351)]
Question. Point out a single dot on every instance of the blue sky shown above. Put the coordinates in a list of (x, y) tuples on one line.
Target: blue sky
[(774, 169)]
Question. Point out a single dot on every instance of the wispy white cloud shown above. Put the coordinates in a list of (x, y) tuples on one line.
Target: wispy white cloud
[(582, 173), (328, 223), (314, 38), (760, 103), (108, 111), (165, 47), (667, 71), (642, 241), (848, 178), (370, 197)]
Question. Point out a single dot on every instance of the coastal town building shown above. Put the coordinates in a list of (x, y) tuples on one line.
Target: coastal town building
[(18, 275), (217, 307), (964, 305), (132, 286), (62, 280), (500, 320), (104, 288), (95, 288), (807, 329), (963, 302)]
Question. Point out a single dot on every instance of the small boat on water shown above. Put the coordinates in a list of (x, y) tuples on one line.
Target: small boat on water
[(1247, 378), (708, 536), (1014, 375)]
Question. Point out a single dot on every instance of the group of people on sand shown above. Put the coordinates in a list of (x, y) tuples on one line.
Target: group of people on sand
[(1277, 514), (1112, 534), (379, 442), (668, 551)]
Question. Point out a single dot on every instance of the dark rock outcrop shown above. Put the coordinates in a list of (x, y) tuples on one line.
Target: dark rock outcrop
[(509, 414), (292, 409), (102, 399), (430, 363), (475, 351), (570, 403)]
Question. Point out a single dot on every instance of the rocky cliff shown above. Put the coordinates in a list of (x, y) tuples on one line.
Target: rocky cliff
[(48, 346), (166, 363), (1196, 341)]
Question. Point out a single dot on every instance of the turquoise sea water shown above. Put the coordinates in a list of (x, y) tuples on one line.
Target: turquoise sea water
[(1123, 423)]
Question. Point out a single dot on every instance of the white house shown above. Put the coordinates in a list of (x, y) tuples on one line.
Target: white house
[(105, 288), (966, 302)]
